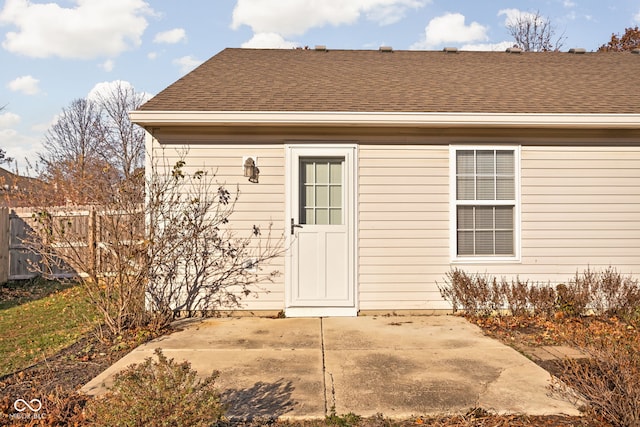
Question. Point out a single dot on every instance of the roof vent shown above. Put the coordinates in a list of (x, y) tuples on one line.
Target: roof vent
[(450, 50), (514, 50), (636, 51), (321, 48), (386, 49), (577, 50)]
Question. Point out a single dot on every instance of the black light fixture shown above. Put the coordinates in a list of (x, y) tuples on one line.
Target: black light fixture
[(251, 169)]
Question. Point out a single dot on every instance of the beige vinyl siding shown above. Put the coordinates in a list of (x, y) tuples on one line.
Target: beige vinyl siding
[(258, 204), (403, 234), (580, 208)]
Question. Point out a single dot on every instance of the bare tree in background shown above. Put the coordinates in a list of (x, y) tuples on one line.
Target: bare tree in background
[(122, 142), (71, 159), (93, 143), (4, 158), (533, 32)]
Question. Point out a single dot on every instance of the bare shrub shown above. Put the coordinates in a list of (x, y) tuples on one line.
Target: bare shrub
[(161, 392), (543, 300), (196, 260), (475, 294), (517, 296), (175, 254), (483, 295), (607, 382), (606, 292), (577, 295), (616, 295)]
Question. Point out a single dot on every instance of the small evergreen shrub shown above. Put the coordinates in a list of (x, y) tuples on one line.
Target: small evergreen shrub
[(159, 393)]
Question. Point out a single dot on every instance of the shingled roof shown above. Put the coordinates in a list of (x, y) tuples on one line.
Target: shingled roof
[(273, 80)]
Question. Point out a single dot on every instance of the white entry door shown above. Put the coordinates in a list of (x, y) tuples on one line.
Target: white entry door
[(320, 271)]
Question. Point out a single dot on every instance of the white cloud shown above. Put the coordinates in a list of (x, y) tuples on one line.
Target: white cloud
[(90, 29), (25, 84), (569, 3), (512, 16), (105, 89), (152, 55), (186, 63), (171, 37), (8, 120), (269, 40), (23, 148), (491, 47), (451, 28), (295, 17), (636, 17), (108, 65), (387, 14)]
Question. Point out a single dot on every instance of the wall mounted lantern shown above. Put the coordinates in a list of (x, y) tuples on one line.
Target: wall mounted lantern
[(251, 170)]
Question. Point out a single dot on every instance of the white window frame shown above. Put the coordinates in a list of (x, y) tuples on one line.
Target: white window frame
[(453, 204)]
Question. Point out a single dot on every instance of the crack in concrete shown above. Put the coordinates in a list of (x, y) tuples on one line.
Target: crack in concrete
[(324, 367)]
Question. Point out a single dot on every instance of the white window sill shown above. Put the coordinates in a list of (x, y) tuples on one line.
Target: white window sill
[(486, 260)]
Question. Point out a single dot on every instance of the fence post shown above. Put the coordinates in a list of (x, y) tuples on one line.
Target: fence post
[(4, 245), (93, 247)]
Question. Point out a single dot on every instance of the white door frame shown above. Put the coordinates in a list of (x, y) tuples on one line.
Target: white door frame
[(292, 154)]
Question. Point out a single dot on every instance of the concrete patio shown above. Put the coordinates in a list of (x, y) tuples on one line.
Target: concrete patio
[(397, 366)]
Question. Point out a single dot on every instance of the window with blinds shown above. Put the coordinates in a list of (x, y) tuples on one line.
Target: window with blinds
[(485, 202)]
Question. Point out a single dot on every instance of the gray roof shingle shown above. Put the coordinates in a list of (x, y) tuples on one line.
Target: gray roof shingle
[(407, 81)]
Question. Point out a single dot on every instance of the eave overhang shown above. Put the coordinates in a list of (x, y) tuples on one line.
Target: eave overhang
[(149, 119)]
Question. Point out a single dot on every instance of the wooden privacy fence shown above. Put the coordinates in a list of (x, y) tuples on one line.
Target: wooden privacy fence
[(85, 234)]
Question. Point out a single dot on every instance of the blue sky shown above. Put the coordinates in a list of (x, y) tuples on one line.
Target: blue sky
[(52, 52)]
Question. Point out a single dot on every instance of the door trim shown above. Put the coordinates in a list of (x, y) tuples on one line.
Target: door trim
[(350, 153)]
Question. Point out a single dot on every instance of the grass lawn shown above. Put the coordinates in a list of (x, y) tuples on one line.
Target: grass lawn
[(37, 319)]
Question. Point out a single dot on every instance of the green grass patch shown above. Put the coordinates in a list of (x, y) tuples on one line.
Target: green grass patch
[(20, 291), (35, 325)]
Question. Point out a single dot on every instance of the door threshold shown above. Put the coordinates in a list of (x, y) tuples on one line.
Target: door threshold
[(321, 312)]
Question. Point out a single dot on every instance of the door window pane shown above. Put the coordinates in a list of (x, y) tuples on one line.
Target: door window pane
[(322, 173), (335, 173), (322, 216), (309, 217), (335, 198), (308, 173), (309, 196), (321, 195)]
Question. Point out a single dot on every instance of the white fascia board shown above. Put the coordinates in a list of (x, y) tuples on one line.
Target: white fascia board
[(385, 119)]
